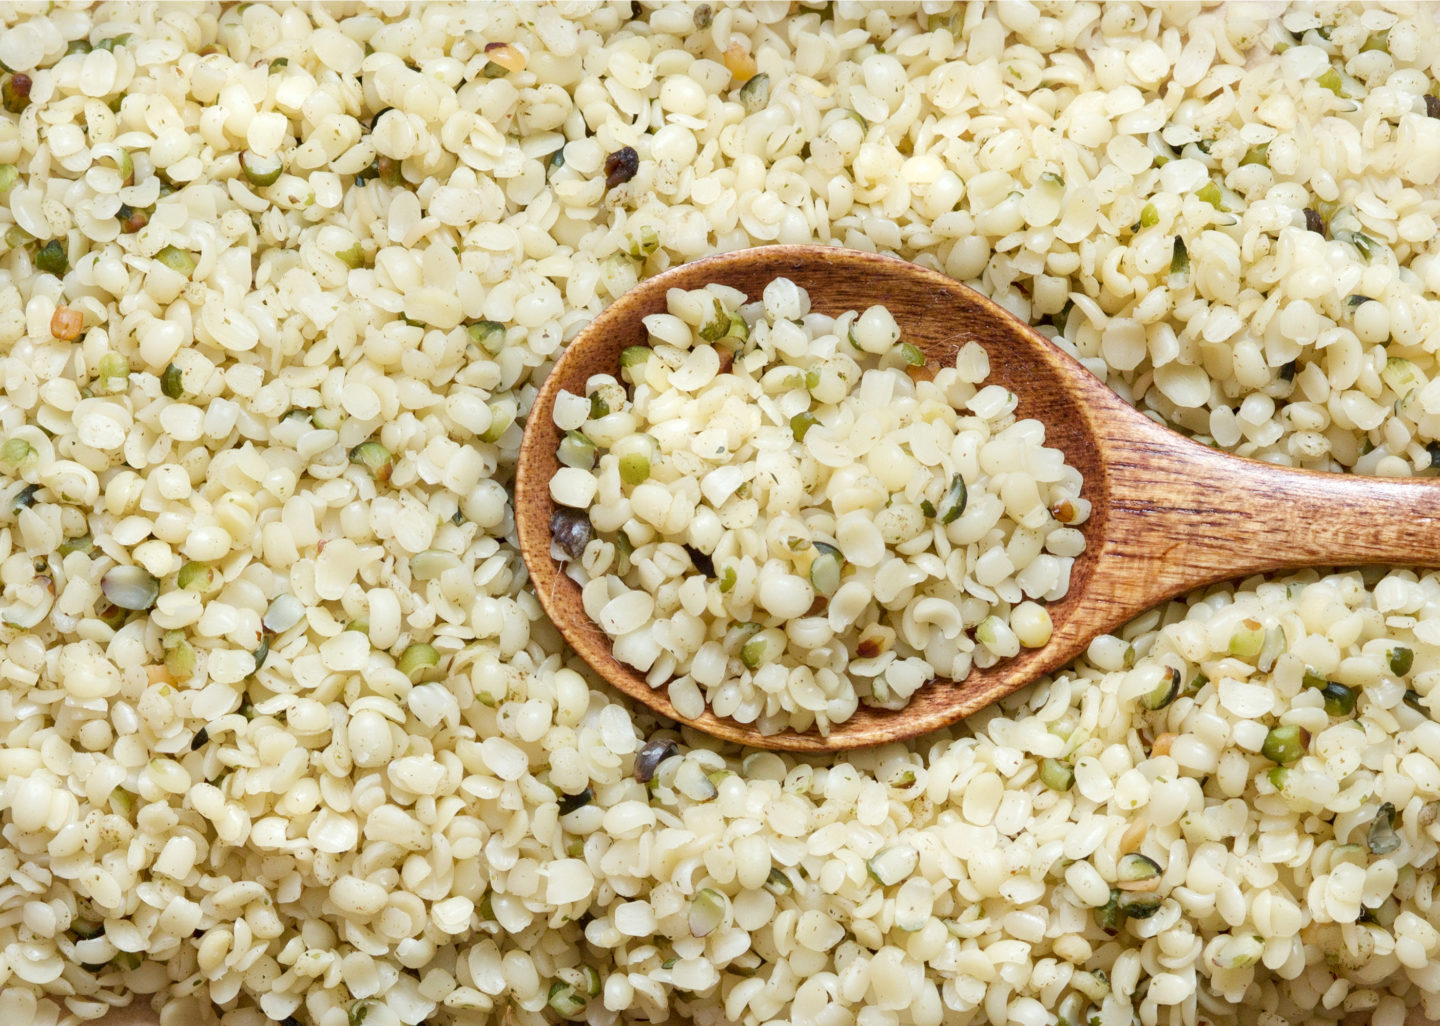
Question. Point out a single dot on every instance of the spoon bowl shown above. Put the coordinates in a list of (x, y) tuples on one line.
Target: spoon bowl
[(1167, 514)]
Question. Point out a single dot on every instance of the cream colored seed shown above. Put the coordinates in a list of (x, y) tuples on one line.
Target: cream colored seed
[(316, 293)]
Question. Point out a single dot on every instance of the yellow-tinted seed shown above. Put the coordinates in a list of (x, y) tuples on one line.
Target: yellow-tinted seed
[(738, 60), (1133, 836), (66, 324), (508, 56)]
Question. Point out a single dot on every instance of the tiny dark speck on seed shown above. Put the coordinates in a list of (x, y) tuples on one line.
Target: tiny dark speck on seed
[(1432, 105), (1314, 222), (621, 166)]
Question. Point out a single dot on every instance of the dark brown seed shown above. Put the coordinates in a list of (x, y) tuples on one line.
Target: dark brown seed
[(1432, 106), (621, 166), (701, 561), (570, 802), (15, 92), (131, 220), (571, 530), (651, 756), (1314, 222)]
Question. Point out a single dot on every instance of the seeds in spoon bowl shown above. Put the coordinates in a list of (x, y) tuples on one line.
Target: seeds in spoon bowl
[(789, 516)]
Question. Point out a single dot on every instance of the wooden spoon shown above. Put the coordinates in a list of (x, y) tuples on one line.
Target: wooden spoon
[(1169, 514)]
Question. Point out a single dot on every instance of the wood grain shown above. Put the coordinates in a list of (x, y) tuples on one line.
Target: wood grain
[(1169, 515)]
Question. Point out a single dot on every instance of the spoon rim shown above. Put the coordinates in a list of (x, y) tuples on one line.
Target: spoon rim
[(869, 726)]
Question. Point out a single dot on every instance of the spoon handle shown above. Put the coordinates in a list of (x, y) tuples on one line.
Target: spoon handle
[(1184, 515)]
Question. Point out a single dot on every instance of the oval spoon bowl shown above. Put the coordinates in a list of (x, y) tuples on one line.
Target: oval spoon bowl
[(1167, 514)]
